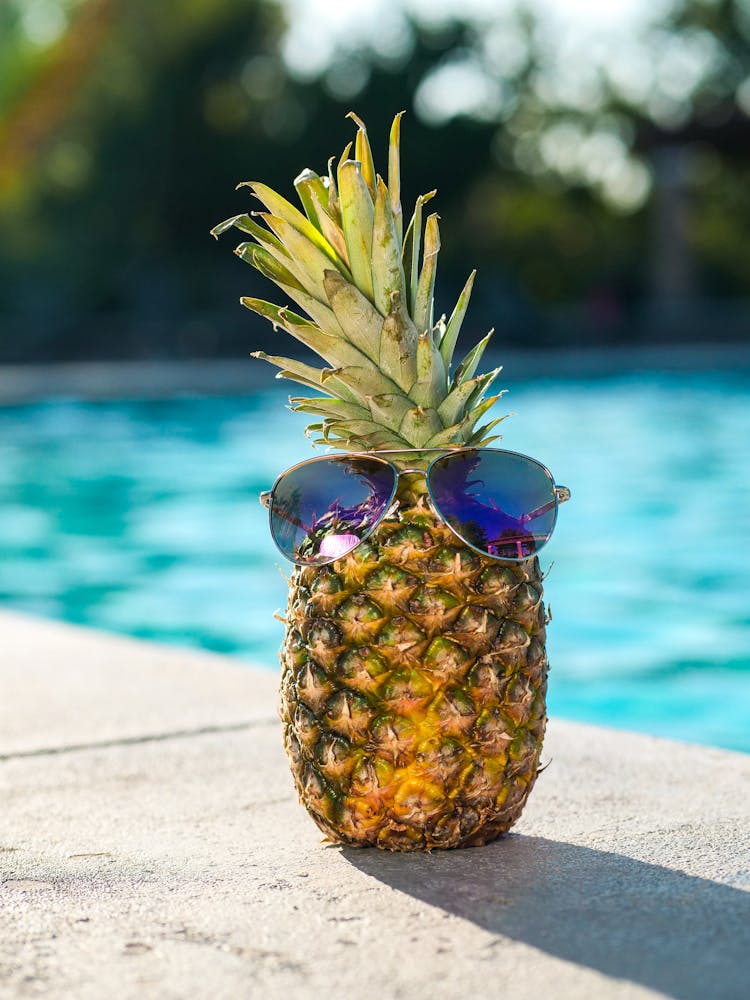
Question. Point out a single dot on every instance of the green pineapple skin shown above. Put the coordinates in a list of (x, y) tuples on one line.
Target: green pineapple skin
[(414, 676)]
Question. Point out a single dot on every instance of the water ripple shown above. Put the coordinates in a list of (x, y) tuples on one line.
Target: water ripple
[(142, 517)]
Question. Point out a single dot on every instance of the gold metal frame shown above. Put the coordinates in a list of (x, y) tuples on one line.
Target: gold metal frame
[(561, 494)]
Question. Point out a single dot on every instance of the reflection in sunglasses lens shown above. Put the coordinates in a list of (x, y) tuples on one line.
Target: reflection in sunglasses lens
[(321, 510), (501, 503)]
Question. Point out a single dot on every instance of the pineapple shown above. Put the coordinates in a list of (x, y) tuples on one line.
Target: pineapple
[(413, 670)]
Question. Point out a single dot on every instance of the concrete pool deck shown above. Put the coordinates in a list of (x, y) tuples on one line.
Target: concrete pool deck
[(151, 846)]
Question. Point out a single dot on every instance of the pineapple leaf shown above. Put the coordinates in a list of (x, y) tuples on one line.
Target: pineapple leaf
[(367, 283), (316, 378), (482, 387), (333, 207), (426, 285), (363, 153), (398, 345), (479, 436), (246, 225), (290, 376), (415, 231), (320, 312), (448, 342), (307, 184), (265, 238), (438, 332), (456, 403), (222, 227), (419, 425), (331, 348), (481, 408), (268, 310), (429, 389), (313, 375), (359, 432), (394, 175), (346, 155), (358, 318), (333, 434), (265, 262), (281, 316), (311, 261), (269, 267), (461, 432), (285, 264), (470, 363), (363, 382), (331, 229), (282, 209), (357, 216), (389, 408), (387, 269), (325, 406)]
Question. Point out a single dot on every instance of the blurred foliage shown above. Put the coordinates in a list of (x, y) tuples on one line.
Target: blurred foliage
[(125, 125)]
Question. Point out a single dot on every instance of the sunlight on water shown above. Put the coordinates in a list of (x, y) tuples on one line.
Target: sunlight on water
[(143, 518)]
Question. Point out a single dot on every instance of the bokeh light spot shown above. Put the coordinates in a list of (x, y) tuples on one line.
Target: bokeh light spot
[(43, 21)]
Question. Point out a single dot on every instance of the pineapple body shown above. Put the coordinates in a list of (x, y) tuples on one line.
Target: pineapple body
[(413, 688), (414, 669)]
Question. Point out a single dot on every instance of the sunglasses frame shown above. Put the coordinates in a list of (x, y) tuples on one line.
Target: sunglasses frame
[(560, 494)]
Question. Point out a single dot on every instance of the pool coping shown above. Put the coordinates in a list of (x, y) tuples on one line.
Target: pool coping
[(151, 844)]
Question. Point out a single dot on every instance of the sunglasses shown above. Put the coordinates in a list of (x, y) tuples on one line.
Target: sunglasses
[(498, 503)]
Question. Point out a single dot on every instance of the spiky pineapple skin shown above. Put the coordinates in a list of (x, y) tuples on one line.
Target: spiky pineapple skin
[(414, 676)]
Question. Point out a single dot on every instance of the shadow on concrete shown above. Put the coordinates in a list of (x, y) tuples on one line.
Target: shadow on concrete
[(687, 937)]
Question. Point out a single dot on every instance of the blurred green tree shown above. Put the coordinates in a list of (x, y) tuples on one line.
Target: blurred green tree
[(113, 142), (126, 124)]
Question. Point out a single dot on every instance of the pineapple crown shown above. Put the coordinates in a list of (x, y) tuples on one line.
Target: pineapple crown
[(368, 291)]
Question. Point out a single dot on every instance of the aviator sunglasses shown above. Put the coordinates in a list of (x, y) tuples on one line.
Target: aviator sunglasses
[(499, 503)]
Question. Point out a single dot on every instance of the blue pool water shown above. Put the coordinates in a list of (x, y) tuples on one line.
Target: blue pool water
[(142, 517)]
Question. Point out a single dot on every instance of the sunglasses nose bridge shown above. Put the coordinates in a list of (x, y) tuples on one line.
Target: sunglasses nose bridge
[(410, 484)]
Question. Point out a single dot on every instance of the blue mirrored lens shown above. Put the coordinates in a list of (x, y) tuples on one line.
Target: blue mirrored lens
[(321, 510), (501, 503)]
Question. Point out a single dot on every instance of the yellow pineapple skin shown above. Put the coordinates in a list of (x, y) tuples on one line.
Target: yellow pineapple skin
[(414, 676)]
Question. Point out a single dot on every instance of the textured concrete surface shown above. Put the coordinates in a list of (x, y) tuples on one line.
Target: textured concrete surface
[(64, 686), (157, 850)]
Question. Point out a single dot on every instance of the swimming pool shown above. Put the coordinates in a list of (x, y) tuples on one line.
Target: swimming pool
[(142, 517)]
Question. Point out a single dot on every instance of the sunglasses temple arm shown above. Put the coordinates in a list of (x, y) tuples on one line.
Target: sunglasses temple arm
[(562, 493)]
